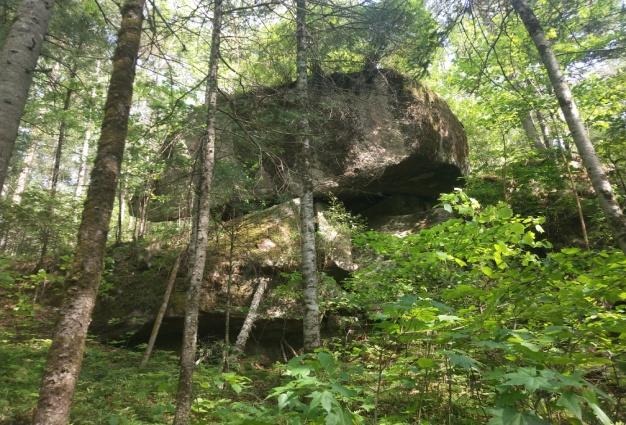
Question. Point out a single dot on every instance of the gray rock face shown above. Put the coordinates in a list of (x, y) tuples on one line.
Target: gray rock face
[(373, 135), (384, 146)]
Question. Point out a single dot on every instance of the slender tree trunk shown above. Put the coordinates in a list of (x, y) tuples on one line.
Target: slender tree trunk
[(66, 353), (58, 152), (82, 168), (253, 314), (600, 182), (570, 177), (56, 168), (22, 179), (531, 131), (121, 207), (18, 58), (229, 283), (618, 173), (545, 130), (84, 153), (161, 314), (311, 320), (206, 156), (579, 208)]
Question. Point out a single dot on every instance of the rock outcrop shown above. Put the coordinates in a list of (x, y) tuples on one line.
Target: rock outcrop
[(373, 135), (384, 146)]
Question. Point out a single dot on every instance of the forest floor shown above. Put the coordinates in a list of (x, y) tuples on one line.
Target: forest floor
[(112, 389)]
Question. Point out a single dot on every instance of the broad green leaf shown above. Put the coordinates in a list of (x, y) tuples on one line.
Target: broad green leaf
[(602, 417), (571, 403), (528, 378), (327, 400)]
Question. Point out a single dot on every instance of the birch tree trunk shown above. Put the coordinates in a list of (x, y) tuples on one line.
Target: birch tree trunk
[(311, 325), (18, 58), (66, 353), (200, 238), (161, 313), (600, 182), (531, 131), (253, 314)]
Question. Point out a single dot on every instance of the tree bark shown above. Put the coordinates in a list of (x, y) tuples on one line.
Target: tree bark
[(545, 130), (121, 210), (56, 168), (206, 155), (311, 320), (66, 353), (253, 314), (58, 152), (161, 313), (229, 283), (18, 58), (82, 168), (84, 153), (22, 179), (600, 182), (531, 131)]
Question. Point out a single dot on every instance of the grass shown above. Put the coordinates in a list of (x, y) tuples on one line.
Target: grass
[(111, 390)]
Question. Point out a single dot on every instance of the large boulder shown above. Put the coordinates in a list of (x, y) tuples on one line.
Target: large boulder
[(384, 146), (373, 136)]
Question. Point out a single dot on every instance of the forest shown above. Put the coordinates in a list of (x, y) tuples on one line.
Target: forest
[(334, 212)]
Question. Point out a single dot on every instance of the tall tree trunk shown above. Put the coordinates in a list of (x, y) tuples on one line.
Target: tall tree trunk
[(600, 182), (253, 313), (229, 283), (566, 162), (84, 153), (121, 210), (18, 58), (579, 207), (66, 353), (311, 320), (82, 168), (161, 313), (206, 156), (58, 152), (545, 130), (531, 131), (22, 179), (56, 169)]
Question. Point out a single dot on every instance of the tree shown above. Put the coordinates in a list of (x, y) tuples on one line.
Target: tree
[(66, 353), (18, 58), (56, 168), (599, 180), (200, 229), (253, 313), (311, 320), (169, 286)]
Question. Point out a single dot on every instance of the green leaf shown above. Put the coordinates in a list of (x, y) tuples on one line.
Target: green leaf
[(527, 377), (510, 416), (505, 213), (570, 402), (283, 400), (602, 417), (425, 363), (461, 360), (488, 271), (326, 360), (327, 400)]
